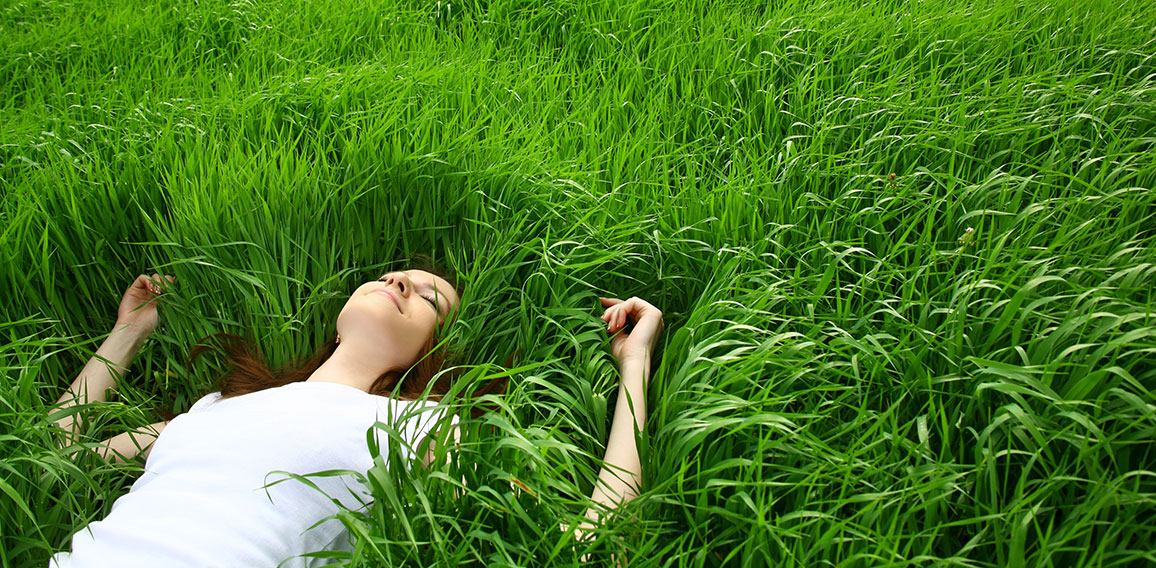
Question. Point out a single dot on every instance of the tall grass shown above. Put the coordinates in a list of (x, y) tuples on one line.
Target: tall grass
[(905, 252)]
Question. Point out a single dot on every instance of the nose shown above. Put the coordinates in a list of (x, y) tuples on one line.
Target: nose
[(401, 280)]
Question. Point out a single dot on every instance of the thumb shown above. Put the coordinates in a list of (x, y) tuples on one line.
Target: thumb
[(607, 302)]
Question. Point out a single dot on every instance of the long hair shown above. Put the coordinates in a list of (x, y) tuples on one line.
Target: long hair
[(249, 371)]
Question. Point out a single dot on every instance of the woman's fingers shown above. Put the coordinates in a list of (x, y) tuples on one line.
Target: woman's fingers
[(617, 314), (141, 281), (620, 312), (154, 283), (618, 317), (608, 315)]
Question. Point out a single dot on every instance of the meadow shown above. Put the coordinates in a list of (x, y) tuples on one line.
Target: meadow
[(905, 253)]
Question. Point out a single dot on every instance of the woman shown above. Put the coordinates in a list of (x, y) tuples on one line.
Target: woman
[(212, 493)]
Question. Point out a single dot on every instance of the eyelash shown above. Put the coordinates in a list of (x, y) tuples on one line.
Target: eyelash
[(426, 298)]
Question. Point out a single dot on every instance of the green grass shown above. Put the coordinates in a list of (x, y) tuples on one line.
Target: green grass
[(951, 367)]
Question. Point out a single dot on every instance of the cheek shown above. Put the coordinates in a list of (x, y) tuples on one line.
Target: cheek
[(428, 326)]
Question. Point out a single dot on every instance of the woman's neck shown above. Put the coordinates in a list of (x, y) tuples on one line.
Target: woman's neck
[(348, 367)]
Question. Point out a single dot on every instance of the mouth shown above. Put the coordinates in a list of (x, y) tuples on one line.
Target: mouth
[(391, 296)]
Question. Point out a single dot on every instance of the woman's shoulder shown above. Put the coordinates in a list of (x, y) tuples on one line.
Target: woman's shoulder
[(323, 392), (297, 389), (205, 401)]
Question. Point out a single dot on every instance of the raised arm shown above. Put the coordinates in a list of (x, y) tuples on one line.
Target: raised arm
[(98, 376), (621, 475), (136, 319)]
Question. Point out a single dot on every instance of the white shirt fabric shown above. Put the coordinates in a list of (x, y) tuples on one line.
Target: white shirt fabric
[(203, 498)]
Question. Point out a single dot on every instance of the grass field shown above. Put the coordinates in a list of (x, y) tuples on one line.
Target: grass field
[(906, 254)]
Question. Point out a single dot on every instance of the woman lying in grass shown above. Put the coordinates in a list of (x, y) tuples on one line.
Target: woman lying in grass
[(206, 497)]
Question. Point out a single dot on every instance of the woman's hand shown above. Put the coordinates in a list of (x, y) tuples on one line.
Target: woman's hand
[(138, 310), (642, 340)]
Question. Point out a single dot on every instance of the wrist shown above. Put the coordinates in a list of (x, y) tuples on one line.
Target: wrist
[(127, 335), (635, 371), (635, 359), (129, 329)]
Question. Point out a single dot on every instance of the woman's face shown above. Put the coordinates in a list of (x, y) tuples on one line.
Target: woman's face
[(396, 315)]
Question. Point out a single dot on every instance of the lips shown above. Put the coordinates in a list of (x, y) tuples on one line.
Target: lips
[(391, 296)]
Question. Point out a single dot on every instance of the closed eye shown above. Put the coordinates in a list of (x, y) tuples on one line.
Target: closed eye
[(427, 298)]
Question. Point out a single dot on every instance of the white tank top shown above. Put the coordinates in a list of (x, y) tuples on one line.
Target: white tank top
[(205, 498)]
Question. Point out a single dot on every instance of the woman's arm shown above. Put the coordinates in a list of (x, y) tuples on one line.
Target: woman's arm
[(621, 475), (112, 359), (137, 317), (127, 446)]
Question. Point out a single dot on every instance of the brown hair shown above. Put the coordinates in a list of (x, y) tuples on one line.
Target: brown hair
[(250, 373)]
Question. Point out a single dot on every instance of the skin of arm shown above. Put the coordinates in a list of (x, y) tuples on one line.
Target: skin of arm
[(136, 319), (127, 446), (98, 376), (621, 474), (620, 478), (112, 359)]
